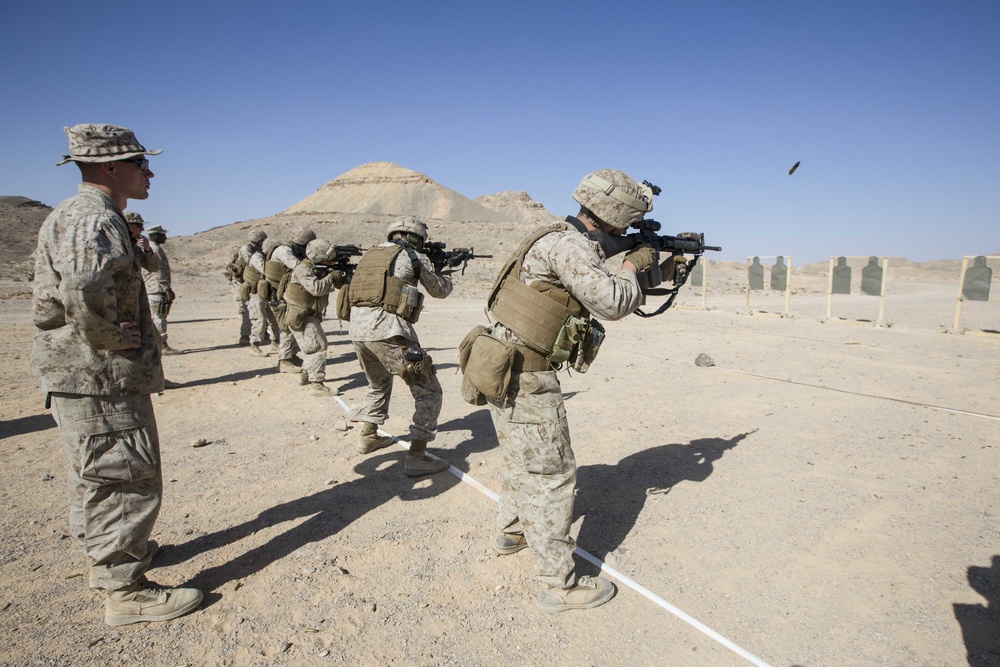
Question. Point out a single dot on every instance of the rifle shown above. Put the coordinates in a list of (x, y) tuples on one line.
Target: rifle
[(341, 261), (449, 259)]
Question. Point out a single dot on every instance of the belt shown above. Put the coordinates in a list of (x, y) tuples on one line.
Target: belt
[(528, 361)]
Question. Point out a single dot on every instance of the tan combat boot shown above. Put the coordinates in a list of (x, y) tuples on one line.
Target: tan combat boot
[(256, 351), (320, 389), (286, 366), (145, 601), (589, 592), (509, 543), (303, 378), (418, 464), (371, 440)]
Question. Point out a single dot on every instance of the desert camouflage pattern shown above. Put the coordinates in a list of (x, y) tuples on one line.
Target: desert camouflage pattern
[(311, 339), (381, 362), (532, 429), (158, 280), (370, 324), (115, 481), (263, 324), (284, 254), (157, 283), (620, 209), (98, 142), (87, 282)]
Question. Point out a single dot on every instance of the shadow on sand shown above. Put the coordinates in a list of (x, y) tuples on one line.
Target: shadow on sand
[(981, 623)]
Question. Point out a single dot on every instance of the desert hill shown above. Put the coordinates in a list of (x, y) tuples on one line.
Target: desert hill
[(356, 207), (519, 205), (20, 220)]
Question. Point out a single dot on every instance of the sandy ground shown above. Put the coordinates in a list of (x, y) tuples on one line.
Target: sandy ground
[(824, 495)]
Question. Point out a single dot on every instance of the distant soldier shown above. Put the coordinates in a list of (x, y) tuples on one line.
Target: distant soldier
[(97, 359), (385, 302), (136, 226), (161, 296), (306, 296), (278, 268), (253, 274), (234, 274)]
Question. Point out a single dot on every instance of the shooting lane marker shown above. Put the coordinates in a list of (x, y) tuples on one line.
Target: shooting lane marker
[(604, 567)]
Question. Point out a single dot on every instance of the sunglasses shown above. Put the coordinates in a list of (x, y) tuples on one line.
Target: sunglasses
[(142, 163)]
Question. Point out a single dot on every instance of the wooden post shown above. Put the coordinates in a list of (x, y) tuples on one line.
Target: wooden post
[(881, 303), (961, 285), (788, 288), (749, 312), (829, 294)]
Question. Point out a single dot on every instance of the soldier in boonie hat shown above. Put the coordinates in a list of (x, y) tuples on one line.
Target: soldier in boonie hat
[(133, 218), (156, 229), (93, 142)]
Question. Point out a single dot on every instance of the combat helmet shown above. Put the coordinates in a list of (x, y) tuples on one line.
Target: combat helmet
[(256, 235), (318, 250), (614, 197), (414, 231), (302, 235)]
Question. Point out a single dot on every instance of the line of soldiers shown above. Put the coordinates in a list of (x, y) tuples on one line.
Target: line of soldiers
[(97, 359)]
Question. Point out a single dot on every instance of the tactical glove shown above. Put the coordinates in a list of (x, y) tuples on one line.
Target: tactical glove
[(643, 257)]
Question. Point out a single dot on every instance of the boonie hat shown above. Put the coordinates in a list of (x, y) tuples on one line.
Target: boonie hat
[(134, 218), (93, 142), (156, 229)]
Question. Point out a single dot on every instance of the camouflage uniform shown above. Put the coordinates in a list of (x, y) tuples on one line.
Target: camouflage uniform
[(310, 337), (287, 347), (87, 282), (263, 325), (381, 339), (157, 288), (242, 307), (539, 466)]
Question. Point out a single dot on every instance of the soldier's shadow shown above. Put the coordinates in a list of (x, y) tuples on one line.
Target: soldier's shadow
[(329, 511), (610, 497), (326, 513), (979, 622), (29, 424)]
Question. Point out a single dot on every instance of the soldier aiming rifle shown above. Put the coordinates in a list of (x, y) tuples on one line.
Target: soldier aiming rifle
[(341, 261), (675, 268), (449, 259)]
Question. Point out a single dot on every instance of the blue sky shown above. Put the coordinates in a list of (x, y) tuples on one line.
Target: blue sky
[(893, 108)]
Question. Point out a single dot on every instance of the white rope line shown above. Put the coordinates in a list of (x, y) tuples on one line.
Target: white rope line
[(604, 567), (942, 408)]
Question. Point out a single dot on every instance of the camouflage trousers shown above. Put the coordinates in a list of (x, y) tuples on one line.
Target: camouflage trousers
[(159, 321), (263, 324), (311, 339), (539, 474), (115, 481), (242, 311), (381, 361), (287, 347)]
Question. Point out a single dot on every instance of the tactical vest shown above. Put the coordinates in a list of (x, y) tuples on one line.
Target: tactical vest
[(373, 284), (251, 275), (300, 303), (536, 313), (274, 270)]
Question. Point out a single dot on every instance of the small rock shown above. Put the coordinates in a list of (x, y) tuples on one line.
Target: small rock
[(703, 360), (47, 477), (323, 654), (340, 425), (200, 442), (313, 438), (284, 647)]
